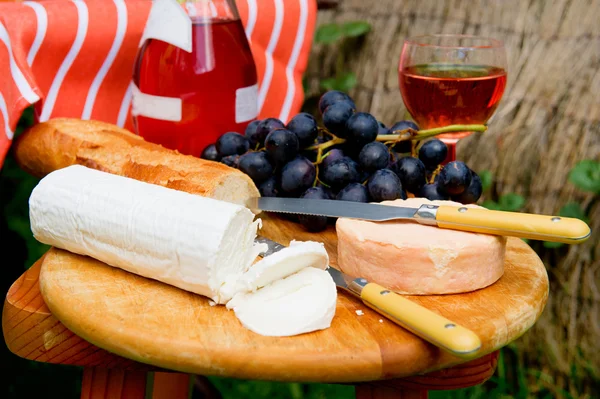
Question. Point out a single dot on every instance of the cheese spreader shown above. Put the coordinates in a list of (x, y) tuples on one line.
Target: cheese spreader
[(421, 321), (524, 225)]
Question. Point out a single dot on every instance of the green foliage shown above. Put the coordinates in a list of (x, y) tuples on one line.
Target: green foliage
[(344, 34), (343, 83), (15, 189), (507, 202), (586, 176), (328, 33), (355, 28)]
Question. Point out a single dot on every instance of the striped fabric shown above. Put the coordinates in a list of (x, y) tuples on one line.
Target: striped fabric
[(74, 58)]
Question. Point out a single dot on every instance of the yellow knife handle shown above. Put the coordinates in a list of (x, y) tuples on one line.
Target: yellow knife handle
[(424, 323), (516, 224)]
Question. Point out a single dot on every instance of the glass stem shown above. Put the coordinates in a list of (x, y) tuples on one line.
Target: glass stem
[(451, 144)]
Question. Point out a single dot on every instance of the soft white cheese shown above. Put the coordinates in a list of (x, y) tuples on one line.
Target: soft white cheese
[(299, 303), (192, 242), (289, 260), (185, 240)]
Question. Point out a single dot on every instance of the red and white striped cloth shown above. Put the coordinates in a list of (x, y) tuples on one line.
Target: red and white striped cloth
[(74, 58)]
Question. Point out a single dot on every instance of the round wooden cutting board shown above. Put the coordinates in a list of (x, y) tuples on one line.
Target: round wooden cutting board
[(154, 323)]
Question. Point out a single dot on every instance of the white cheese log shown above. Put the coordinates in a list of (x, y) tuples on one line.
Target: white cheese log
[(299, 303), (195, 243)]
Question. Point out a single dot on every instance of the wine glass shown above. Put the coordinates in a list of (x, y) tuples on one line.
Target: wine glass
[(452, 79)]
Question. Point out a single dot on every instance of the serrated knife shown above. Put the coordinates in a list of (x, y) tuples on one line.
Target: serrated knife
[(524, 225), (424, 323)]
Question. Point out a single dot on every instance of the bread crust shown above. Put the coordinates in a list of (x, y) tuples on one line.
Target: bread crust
[(62, 142)]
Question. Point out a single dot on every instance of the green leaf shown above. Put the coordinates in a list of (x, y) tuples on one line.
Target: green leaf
[(355, 28), (586, 175), (525, 240), (346, 82), (573, 210), (328, 33), (492, 205), (511, 202), (486, 179), (550, 244), (328, 84)]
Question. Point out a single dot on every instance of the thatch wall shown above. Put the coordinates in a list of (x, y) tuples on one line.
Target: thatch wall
[(549, 119)]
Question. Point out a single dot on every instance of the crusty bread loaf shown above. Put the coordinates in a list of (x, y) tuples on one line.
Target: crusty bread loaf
[(62, 142)]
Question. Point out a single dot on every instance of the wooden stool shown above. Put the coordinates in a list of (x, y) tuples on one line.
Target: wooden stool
[(31, 331), (71, 309)]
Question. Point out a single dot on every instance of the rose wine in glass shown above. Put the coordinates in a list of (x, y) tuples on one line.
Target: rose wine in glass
[(451, 79)]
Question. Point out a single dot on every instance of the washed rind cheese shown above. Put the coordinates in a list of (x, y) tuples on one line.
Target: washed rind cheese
[(195, 243), (416, 259)]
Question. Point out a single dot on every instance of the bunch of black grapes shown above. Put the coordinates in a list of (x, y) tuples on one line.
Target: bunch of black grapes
[(355, 161)]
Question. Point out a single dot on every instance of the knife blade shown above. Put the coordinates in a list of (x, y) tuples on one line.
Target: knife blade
[(430, 326), (479, 220)]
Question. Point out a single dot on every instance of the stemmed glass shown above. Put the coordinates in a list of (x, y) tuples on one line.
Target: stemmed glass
[(452, 79)]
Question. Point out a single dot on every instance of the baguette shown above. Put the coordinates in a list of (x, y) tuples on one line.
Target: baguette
[(62, 142)]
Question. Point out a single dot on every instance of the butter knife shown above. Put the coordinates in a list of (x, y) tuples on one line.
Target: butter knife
[(430, 326), (478, 220)]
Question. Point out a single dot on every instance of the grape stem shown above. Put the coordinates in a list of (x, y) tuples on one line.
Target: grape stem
[(411, 134)]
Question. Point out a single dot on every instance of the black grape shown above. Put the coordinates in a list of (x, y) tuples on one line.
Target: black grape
[(382, 129), (403, 147), (432, 153), (269, 187), (210, 153), (353, 192), (305, 127), (265, 127), (232, 143), (432, 192), (297, 175), (282, 145), (361, 129), (256, 165), (384, 185), (374, 156), (332, 97), (333, 155), (336, 116), (252, 135), (454, 178), (411, 172), (314, 222), (231, 160), (472, 193), (340, 173)]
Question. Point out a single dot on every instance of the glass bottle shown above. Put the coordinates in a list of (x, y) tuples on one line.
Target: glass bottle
[(185, 100)]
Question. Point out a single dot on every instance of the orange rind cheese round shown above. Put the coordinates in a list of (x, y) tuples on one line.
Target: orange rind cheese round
[(415, 259)]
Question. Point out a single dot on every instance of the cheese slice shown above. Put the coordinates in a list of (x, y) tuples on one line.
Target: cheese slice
[(287, 261), (299, 303), (195, 243)]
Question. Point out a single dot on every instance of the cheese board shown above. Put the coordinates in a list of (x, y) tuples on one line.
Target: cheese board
[(154, 323)]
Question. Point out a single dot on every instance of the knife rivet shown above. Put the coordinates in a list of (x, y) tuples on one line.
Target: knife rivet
[(450, 325), (555, 219), (384, 292), (462, 209)]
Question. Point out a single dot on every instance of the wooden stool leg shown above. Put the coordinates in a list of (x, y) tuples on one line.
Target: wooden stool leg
[(371, 391), (101, 383), (171, 386)]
